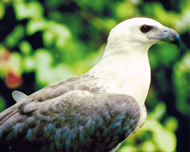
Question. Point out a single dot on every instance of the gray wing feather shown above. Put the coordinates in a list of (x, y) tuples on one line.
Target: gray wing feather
[(82, 82), (18, 96), (78, 120)]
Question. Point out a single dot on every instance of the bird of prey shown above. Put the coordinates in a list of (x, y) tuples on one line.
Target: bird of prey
[(94, 111)]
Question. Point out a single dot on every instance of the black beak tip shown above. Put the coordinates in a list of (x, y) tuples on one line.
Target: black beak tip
[(177, 41)]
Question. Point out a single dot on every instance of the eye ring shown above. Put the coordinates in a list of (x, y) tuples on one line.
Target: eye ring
[(145, 28)]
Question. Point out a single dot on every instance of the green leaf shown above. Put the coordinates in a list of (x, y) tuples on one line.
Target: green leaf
[(25, 47), (16, 62), (32, 10), (181, 81), (15, 36), (2, 10), (2, 104)]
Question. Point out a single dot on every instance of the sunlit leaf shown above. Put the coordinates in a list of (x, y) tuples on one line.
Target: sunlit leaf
[(163, 138), (29, 64), (36, 25), (16, 62), (25, 47), (148, 146), (171, 123), (180, 80), (2, 10), (51, 31), (158, 112), (28, 10), (46, 73), (48, 38)]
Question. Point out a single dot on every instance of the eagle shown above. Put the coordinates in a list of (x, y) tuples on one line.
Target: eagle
[(95, 111)]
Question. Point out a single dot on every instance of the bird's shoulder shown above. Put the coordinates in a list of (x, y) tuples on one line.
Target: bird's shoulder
[(82, 82), (78, 115)]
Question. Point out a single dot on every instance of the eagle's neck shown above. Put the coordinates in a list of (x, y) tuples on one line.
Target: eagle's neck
[(127, 72)]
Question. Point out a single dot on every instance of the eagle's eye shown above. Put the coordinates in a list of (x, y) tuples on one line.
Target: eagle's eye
[(145, 28)]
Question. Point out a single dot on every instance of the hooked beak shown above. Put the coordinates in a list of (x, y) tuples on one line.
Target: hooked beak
[(168, 35)]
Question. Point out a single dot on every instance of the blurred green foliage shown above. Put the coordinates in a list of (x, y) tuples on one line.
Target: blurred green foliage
[(56, 39)]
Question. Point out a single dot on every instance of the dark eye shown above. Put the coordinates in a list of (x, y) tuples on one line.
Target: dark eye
[(145, 28)]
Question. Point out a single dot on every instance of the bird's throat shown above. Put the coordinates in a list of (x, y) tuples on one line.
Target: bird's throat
[(127, 74)]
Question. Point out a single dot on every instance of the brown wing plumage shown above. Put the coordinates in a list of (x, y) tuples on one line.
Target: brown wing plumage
[(78, 120)]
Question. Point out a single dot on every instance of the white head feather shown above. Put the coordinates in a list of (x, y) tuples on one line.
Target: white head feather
[(125, 64)]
